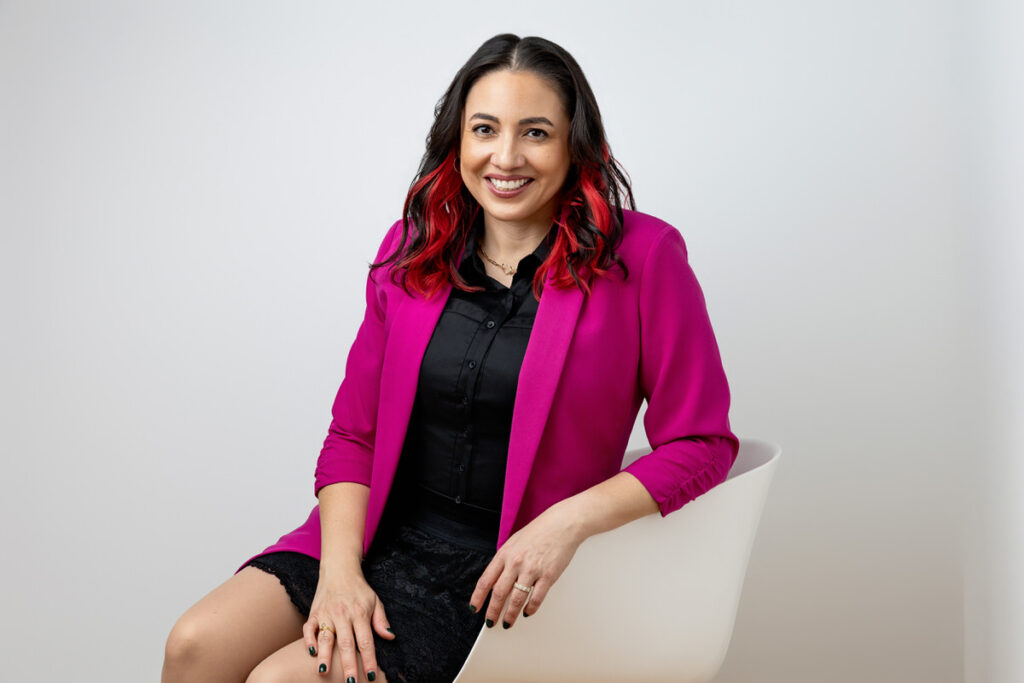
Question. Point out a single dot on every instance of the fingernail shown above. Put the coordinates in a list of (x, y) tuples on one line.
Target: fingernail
[(323, 668), (505, 624), (525, 614), (388, 629), (472, 608), (371, 675), (312, 651), (350, 679), (490, 623)]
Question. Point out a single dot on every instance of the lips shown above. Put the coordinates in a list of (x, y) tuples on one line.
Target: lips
[(509, 184), (515, 187)]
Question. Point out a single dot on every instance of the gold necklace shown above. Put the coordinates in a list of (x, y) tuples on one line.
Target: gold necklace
[(507, 269)]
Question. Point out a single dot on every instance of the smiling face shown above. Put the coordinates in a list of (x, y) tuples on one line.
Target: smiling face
[(514, 154)]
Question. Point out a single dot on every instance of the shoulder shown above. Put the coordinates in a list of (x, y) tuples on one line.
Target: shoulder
[(392, 238), (390, 242), (642, 232)]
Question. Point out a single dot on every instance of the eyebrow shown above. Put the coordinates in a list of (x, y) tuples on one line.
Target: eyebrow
[(522, 122)]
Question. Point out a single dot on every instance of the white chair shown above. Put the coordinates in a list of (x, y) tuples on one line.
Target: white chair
[(653, 600)]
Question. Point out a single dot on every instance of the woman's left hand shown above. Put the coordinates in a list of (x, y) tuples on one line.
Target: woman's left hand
[(536, 556)]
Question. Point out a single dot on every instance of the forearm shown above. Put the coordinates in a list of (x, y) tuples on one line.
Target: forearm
[(608, 505), (342, 526)]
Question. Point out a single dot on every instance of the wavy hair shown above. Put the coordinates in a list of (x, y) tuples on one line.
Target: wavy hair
[(439, 210)]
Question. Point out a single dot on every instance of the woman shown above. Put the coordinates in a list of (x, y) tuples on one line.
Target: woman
[(516, 318)]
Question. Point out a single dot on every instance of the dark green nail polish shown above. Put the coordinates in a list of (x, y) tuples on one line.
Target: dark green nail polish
[(388, 629), (350, 679), (312, 651), (505, 624), (490, 623), (525, 614), (371, 675), (472, 608), (323, 668)]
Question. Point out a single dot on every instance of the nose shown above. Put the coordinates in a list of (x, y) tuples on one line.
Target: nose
[(507, 155)]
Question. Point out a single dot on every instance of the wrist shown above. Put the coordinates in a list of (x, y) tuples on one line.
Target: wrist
[(340, 565), (573, 512)]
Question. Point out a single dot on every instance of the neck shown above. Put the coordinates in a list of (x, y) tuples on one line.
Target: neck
[(507, 242)]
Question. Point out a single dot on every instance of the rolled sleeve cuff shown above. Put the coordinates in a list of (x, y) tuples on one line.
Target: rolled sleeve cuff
[(341, 468), (674, 480)]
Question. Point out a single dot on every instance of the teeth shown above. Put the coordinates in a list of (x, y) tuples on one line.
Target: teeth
[(507, 185)]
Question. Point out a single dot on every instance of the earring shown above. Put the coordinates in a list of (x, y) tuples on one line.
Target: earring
[(455, 163)]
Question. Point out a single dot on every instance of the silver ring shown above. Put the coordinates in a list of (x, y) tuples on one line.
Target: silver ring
[(525, 589)]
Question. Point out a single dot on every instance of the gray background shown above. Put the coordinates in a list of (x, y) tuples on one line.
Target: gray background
[(190, 193)]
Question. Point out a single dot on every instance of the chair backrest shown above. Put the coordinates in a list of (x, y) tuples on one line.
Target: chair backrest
[(653, 600)]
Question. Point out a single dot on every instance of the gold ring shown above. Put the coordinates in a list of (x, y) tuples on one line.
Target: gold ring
[(525, 589), (326, 627)]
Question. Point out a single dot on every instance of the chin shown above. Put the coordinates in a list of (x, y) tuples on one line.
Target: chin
[(509, 216), (508, 212)]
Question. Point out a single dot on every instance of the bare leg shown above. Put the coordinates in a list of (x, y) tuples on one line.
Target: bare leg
[(228, 632), (292, 664)]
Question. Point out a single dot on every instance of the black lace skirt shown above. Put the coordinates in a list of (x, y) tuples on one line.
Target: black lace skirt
[(424, 569)]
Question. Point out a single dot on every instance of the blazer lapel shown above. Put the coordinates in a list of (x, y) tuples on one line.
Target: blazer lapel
[(553, 327), (413, 326)]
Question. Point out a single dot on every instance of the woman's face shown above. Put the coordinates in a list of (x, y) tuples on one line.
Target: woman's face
[(514, 154)]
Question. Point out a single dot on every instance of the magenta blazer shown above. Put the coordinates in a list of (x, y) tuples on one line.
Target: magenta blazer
[(589, 364)]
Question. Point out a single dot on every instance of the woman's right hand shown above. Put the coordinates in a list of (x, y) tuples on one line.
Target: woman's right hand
[(346, 603)]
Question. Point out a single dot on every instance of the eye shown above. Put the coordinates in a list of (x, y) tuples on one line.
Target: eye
[(542, 133), (480, 129)]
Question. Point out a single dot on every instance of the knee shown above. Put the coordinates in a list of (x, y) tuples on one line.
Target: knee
[(278, 669), (185, 647), (272, 671), (261, 674)]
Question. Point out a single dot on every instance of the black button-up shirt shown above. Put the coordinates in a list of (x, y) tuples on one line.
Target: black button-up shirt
[(456, 447)]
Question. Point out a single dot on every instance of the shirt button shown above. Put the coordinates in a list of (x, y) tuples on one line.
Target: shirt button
[(472, 364), (458, 499), (462, 468), (490, 324)]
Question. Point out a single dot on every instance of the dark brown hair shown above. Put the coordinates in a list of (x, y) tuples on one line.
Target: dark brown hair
[(439, 210)]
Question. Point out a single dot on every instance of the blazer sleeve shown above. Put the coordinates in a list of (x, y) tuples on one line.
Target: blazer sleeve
[(682, 378), (347, 454)]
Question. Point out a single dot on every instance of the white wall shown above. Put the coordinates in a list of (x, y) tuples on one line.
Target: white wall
[(993, 112), (190, 192)]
